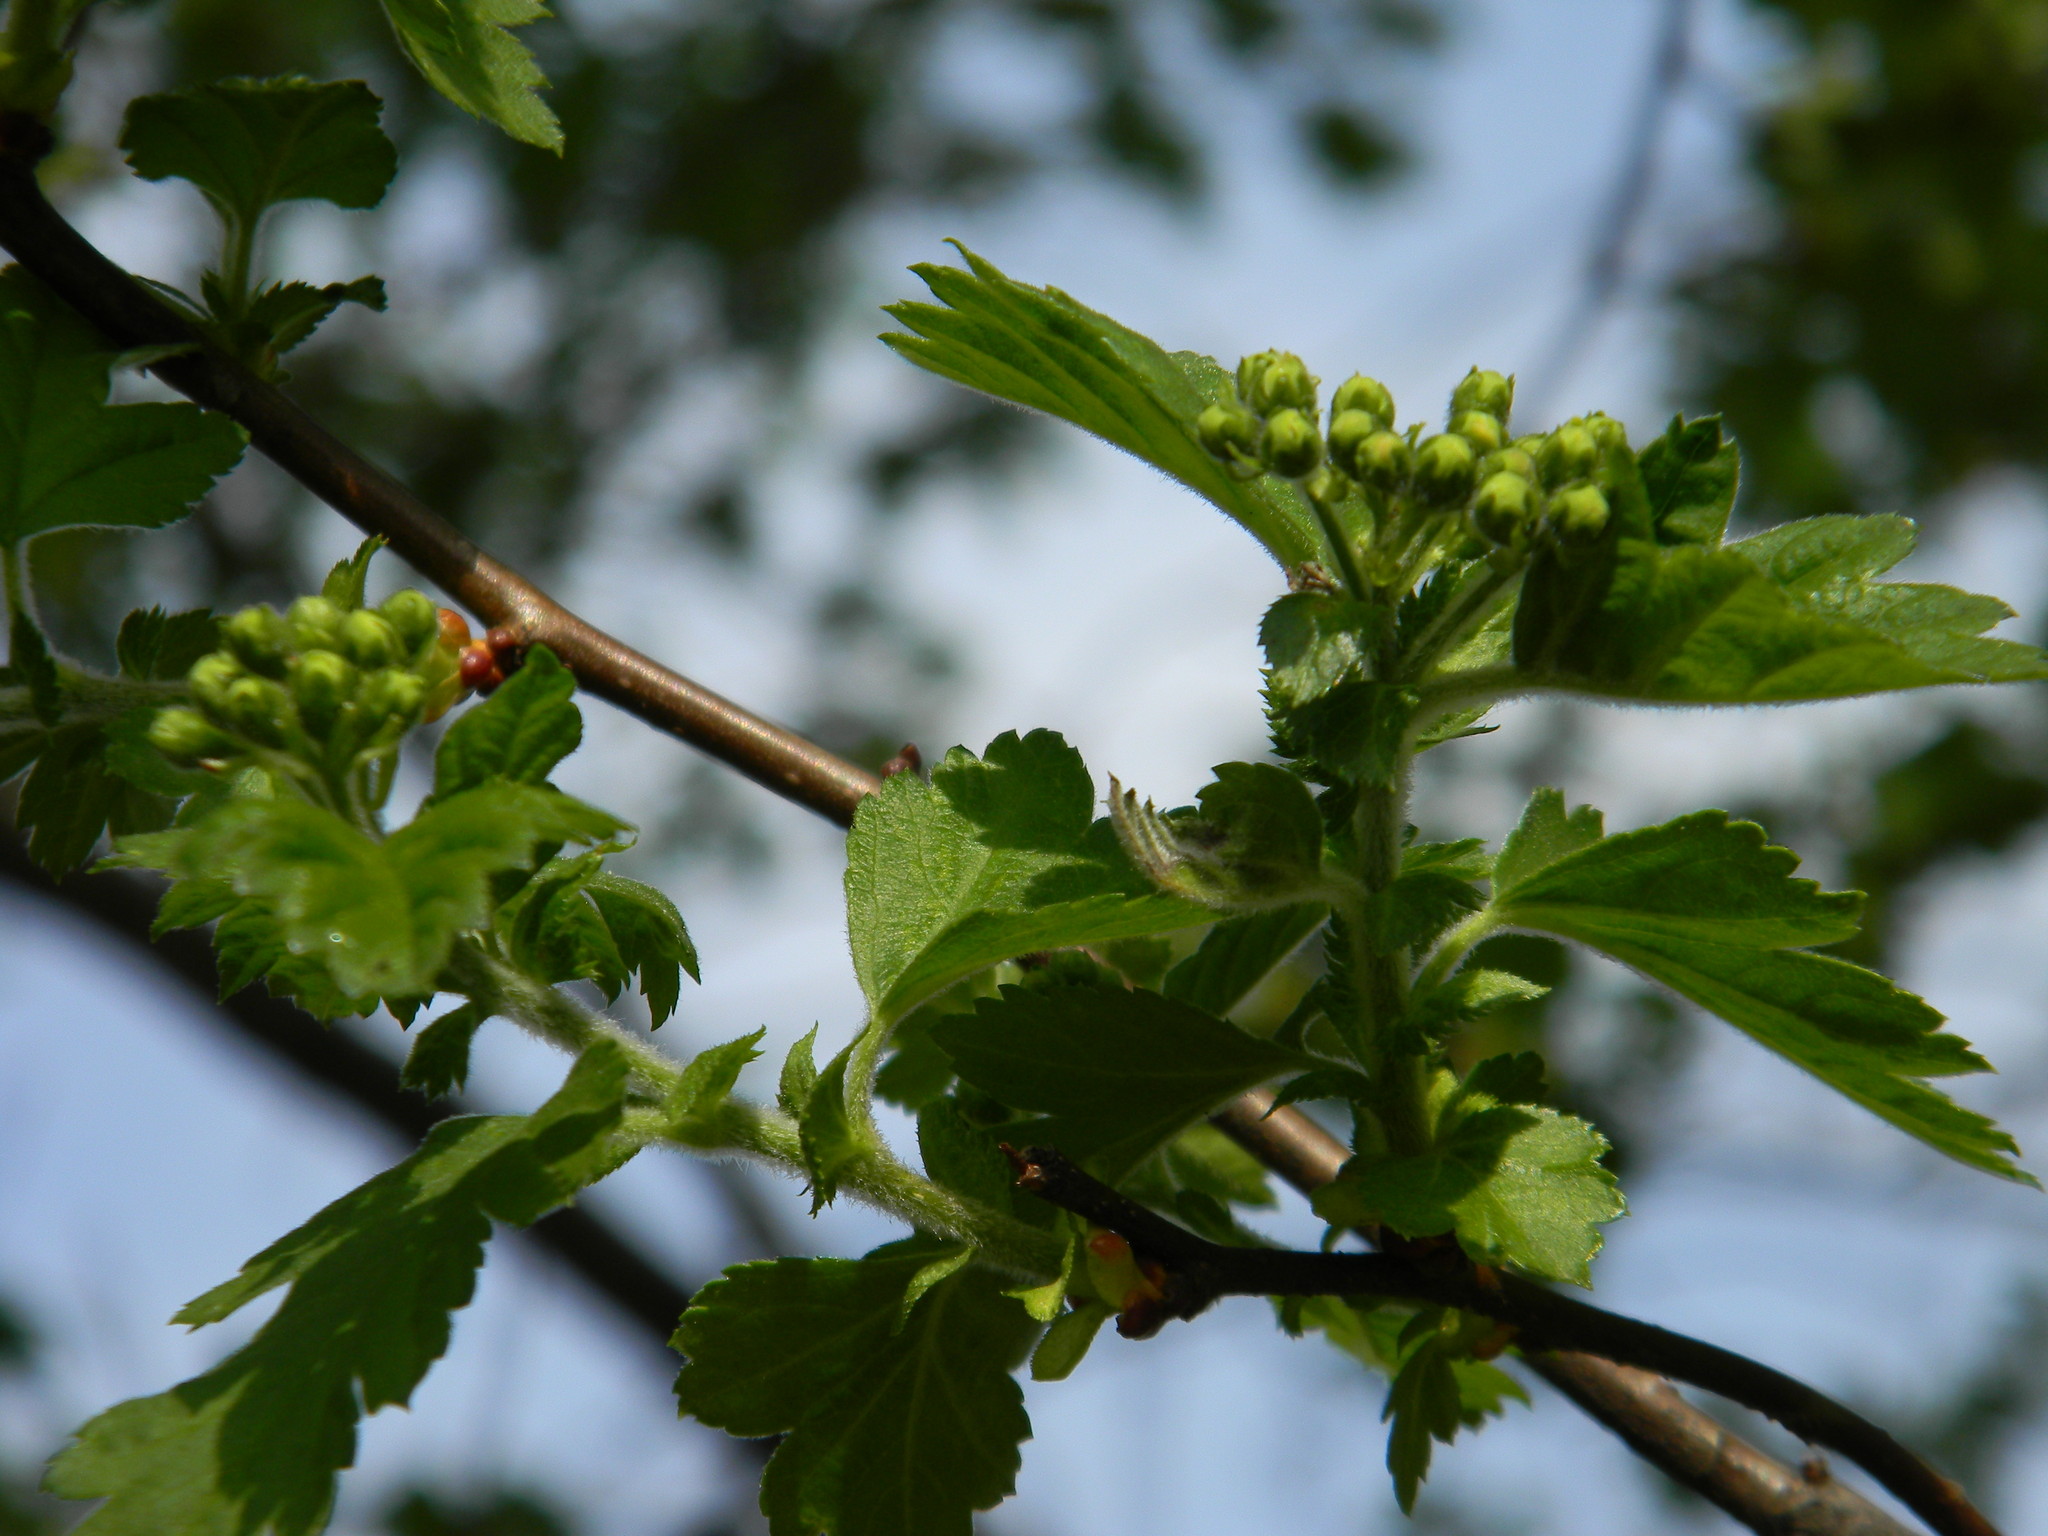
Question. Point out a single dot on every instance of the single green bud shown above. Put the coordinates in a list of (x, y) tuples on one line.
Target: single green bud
[(315, 623), (1513, 460), (391, 694), (1248, 371), (368, 640), (1358, 393), (257, 636), (1349, 431), (1505, 505), (1383, 460), (1292, 446), (322, 681), (1579, 513), (1484, 390), (1481, 429), (1445, 467), (1229, 431), (255, 707), (209, 679), (185, 736), (1327, 486), (1283, 385), (1607, 432), (1567, 454), (413, 616)]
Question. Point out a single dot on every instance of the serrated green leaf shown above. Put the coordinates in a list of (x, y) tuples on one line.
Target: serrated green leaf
[(704, 1086), (1707, 907), (347, 578), (67, 458), (1314, 640), (1254, 840), (1472, 992), (1545, 834), (70, 797), (1416, 906), (467, 53), (156, 646), (651, 939), (1424, 1406), (1345, 1083), (965, 1158), (826, 1133), (30, 665), (887, 1433), (1204, 1160), (255, 1443), (997, 856), (251, 144), (799, 1073), (1353, 734), (1689, 478), (1039, 348), (1115, 1073), (1239, 953), (518, 734), (438, 1063), (288, 313)]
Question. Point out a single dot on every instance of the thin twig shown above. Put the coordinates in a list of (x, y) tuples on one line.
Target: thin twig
[(1198, 1272), (779, 759)]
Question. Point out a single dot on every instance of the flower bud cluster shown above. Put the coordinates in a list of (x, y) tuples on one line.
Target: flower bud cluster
[(320, 682), (1509, 491)]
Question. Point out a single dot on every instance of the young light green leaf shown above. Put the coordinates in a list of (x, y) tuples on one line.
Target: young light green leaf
[(255, 1443), (1425, 1406), (348, 579), (1353, 734), (946, 1265), (799, 1073), (67, 458), (1044, 1301), (1545, 834), (1689, 477), (650, 936), (73, 794), (1066, 1342), (1471, 992), (251, 144), (1314, 640), (467, 53), (831, 1144), (518, 734), (887, 1432), (1239, 953), (705, 1084), (155, 646), (996, 857), (1116, 1073), (1039, 348), (1705, 906), (438, 1063), (1254, 841)]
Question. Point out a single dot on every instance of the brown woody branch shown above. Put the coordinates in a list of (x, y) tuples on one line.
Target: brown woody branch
[(1660, 1426)]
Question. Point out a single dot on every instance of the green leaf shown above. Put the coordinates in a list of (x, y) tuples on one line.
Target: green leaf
[(251, 144), (1425, 1406), (347, 579), (888, 1432), (518, 734), (1707, 907), (287, 313), (1254, 841), (71, 796), (1689, 478), (826, 1133), (1353, 734), (704, 1086), (1066, 1342), (438, 1063), (467, 53), (1313, 641), (997, 856), (254, 1443), (67, 458), (380, 917), (1471, 993), (154, 646), (1239, 953), (799, 1073), (1116, 1073), (1039, 348), (30, 665), (651, 939), (1545, 834)]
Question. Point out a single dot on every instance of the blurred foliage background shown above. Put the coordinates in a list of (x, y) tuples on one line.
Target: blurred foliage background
[(1876, 333)]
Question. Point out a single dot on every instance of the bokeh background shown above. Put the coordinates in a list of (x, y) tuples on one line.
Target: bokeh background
[(647, 372)]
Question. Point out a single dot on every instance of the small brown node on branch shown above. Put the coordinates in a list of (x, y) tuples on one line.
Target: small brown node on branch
[(1309, 576), (1490, 1347), (1814, 1470), (908, 760), (1029, 1174)]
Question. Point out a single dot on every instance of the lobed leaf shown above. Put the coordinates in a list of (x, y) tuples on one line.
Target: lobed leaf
[(466, 51), (518, 734)]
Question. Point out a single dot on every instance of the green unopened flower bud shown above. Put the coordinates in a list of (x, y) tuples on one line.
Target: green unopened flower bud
[(390, 695), (1349, 431), (1482, 430), (1445, 467), (1248, 371), (255, 707), (1229, 432), (413, 617), (1283, 384), (368, 640), (1505, 505), (1327, 486), (1383, 460), (1292, 446), (315, 623), (1567, 454), (1513, 460), (185, 736), (1579, 513), (1607, 432), (322, 681), (209, 679), (1484, 390), (257, 636), (1358, 393)]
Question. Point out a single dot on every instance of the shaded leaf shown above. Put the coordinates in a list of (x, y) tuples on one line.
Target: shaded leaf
[(467, 53)]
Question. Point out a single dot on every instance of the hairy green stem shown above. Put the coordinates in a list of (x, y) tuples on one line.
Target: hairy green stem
[(1456, 944), (1343, 546)]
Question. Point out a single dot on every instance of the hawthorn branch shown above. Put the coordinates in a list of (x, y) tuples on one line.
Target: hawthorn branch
[(1199, 1272), (1660, 1426)]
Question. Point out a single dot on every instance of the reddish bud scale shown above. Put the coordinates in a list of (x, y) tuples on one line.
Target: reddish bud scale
[(479, 669), (454, 629), (1108, 1246)]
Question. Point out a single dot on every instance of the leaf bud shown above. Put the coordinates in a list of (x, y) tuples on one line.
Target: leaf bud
[(391, 694), (1292, 446), (1567, 454), (255, 707), (1283, 384), (258, 638), (368, 640), (1383, 460), (209, 679), (1505, 505), (1579, 513), (1481, 429), (1484, 390), (1358, 393), (413, 617), (185, 736), (454, 630), (322, 682), (315, 623), (1445, 467), (1230, 432)]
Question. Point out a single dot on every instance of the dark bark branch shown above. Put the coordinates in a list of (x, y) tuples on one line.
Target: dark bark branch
[(779, 759)]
